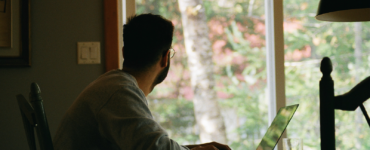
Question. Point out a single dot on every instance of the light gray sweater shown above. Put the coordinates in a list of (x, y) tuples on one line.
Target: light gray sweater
[(112, 113)]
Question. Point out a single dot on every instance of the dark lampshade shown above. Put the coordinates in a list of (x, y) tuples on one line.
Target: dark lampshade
[(344, 10)]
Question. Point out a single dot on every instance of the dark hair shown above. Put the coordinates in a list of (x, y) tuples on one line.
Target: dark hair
[(146, 38)]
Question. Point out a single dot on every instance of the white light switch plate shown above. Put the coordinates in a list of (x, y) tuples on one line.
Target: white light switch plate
[(88, 52)]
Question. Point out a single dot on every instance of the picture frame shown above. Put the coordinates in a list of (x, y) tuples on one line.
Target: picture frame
[(20, 36)]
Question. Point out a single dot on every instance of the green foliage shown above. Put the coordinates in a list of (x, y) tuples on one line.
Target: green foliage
[(250, 112), (177, 116), (248, 98)]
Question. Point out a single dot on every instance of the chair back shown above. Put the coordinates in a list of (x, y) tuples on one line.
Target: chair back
[(34, 117), (328, 101)]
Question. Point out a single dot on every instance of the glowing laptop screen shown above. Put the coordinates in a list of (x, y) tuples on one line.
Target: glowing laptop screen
[(277, 127)]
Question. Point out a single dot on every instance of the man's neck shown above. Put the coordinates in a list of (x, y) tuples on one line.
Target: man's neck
[(144, 79)]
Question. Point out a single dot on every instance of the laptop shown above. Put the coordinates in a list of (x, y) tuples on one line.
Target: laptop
[(277, 127)]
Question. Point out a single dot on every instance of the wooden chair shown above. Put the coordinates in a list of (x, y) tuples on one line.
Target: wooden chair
[(329, 102), (35, 118)]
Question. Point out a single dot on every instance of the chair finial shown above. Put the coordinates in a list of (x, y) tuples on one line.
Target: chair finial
[(35, 88), (326, 67)]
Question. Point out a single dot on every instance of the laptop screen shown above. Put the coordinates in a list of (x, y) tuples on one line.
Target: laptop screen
[(277, 127)]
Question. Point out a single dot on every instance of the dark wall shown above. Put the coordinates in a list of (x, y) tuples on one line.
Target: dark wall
[(56, 27)]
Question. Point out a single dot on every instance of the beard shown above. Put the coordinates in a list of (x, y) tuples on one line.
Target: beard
[(162, 75)]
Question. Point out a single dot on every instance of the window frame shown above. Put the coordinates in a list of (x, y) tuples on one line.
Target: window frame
[(113, 30), (111, 39), (275, 59)]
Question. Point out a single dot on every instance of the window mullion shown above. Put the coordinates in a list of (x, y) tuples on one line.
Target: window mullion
[(275, 58)]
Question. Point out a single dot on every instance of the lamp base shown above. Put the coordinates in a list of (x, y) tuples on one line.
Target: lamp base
[(350, 15)]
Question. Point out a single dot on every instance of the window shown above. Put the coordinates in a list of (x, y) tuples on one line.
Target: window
[(306, 41), (237, 36)]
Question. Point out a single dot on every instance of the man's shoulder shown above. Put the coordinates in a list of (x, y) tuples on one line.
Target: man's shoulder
[(98, 92), (116, 77), (112, 81)]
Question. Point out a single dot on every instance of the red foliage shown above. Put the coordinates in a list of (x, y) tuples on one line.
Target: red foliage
[(217, 46), (177, 83), (298, 54), (255, 40), (259, 27), (293, 25), (187, 92)]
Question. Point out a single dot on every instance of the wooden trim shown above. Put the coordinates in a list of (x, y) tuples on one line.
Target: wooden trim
[(111, 22), (279, 60), (130, 8), (121, 15), (279, 54)]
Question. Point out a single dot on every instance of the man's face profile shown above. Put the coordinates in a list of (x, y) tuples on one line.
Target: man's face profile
[(163, 74)]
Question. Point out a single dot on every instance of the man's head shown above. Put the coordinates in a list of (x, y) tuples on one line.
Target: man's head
[(146, 39)]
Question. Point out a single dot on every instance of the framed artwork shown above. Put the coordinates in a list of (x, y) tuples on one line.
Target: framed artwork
[(15, 33)]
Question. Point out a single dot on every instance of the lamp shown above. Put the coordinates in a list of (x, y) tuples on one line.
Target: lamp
[(343, 10)]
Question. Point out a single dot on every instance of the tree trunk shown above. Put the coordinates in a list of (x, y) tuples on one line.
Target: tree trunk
[(198, 49)]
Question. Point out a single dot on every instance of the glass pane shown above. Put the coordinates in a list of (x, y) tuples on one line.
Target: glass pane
[(307, 41), (236, 31)]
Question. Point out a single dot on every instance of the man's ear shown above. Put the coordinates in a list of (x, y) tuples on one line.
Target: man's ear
[(164, 59)]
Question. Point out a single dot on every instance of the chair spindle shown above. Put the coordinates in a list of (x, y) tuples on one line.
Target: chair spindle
[(327, 116)]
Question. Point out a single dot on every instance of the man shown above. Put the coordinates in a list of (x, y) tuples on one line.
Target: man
[(112, 112)]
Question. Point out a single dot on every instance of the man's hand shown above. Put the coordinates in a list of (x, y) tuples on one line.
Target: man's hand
[(209, 146)]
